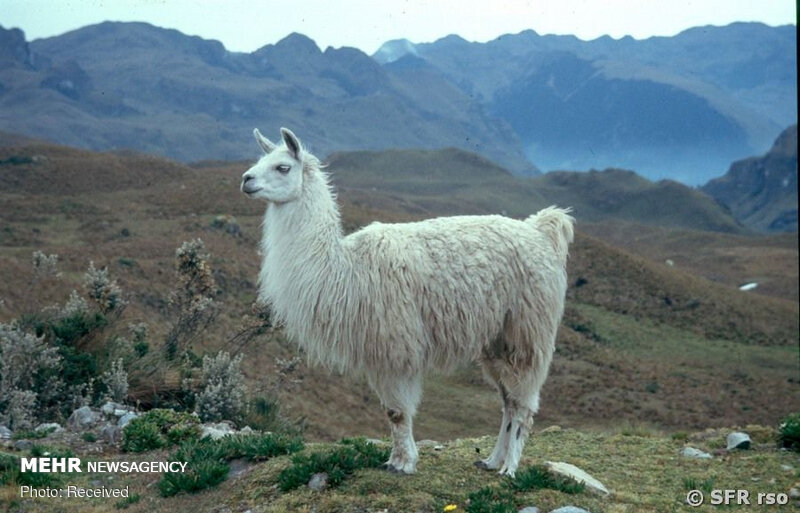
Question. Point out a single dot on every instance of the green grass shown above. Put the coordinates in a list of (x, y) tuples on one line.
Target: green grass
[(339, 463), (207, 460), (789, 432), (159, 428)]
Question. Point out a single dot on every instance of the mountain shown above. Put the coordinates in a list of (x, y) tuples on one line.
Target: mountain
[(133, 85), (454, 181), (761, 192), (677, 107)]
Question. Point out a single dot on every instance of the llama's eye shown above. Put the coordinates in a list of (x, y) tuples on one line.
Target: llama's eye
[(283, 169)]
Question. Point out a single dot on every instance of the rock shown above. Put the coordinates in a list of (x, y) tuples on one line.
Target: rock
[(427, 443), (569, 509), (318, 481), (53, 427), (247, 430), (120, 413), (438, 447), (578, 475), (691, 452), (529, 509), (787, 468), (551, 429), (82, 418), (23, 445), (216, 431), (738, 440), (111, 433), (5, 433), (125, 419), (376, 441), (109, 407), (794, 491)]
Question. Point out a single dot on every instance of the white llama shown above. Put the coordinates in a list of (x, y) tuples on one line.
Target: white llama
[(392, 301)]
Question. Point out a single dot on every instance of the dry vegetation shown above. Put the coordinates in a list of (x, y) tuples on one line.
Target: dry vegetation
[(694, 353)]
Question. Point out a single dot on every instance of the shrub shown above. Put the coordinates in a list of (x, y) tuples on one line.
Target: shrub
[(159, 428), (89, 437), (789, 432), (101, 290), (193, 298), (342, 461), (207, 460), (223, 389), (116, 380), (536, 477)]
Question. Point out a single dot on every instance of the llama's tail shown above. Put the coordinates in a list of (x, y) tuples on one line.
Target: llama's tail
[(557, 224)]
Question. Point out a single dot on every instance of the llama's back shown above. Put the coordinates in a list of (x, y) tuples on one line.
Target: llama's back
[(467, 280)]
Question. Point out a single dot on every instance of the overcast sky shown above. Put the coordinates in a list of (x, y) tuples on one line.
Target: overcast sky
[(246, 25)]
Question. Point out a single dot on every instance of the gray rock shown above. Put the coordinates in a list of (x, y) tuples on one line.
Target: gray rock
[(54, 427), (572, 472), (738, 440), (691, 452), (109, 407), (23, 445), (5, 433), (529, 509), (427, 443), (216, 431), (111, 433), (247, 430), (794, 493), (318, 481), (120, 413), (569, 509), (82, 418), (126, 419)]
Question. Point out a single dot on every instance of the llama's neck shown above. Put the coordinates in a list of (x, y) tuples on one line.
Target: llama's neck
[(305, 266)]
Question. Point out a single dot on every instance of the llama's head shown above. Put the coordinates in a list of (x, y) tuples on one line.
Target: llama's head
[(278, 176)]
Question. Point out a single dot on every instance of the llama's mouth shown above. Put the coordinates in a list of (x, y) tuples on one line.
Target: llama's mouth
[(250, 189)]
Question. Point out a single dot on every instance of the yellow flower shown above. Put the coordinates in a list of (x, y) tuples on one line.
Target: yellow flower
[(450, 507)]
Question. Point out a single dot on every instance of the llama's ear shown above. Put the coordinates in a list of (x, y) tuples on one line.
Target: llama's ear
[(292, 142), (265, 143)]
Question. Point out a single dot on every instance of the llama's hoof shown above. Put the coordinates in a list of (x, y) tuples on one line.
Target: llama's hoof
[(399, 468), (389, 468), (482, 465), (507, 472)]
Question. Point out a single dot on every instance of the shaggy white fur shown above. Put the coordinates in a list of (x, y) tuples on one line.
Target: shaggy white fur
[(392, 301)]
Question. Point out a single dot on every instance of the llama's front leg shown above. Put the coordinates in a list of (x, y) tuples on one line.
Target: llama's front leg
[(400, 397), (521, 425), (404, 450)]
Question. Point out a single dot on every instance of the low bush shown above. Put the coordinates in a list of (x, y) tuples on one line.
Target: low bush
[(159, 428), (789, 432), (207, 460), (342, 461)]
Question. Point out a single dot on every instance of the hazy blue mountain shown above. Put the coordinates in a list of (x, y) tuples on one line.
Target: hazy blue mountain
[(761, 192), (681, 107), (133, 85)]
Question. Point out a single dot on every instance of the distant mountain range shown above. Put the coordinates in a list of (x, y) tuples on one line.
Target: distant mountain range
[(761, 192), (680, 108)]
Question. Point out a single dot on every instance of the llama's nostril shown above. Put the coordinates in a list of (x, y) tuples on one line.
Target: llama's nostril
[(247, 178)]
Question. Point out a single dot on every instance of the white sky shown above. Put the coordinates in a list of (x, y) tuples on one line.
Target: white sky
[(246, 25)]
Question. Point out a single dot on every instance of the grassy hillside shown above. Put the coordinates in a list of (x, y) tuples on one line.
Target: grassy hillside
[(641, 341), (446, 476), (454, 181)]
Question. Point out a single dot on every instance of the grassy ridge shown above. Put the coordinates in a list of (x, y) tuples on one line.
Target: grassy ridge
[(134, 229)]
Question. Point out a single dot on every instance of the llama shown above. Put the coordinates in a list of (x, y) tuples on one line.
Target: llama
[(393, 301)]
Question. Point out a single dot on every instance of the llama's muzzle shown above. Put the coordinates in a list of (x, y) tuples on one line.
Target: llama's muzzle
[(248, 185)]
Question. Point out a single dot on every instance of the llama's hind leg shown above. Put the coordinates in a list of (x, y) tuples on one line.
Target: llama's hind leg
[(520, 427), (498, 456), (400, 398)]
